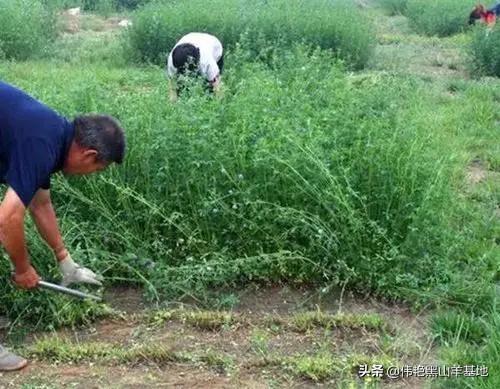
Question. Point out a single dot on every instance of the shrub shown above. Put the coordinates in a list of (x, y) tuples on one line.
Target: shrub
[(26, 28), (484, 52), (394, 7), (301, 174), (325, 182), (442, 18), (263, 25)]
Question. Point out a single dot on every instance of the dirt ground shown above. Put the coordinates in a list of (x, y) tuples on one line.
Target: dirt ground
[(232, 355)]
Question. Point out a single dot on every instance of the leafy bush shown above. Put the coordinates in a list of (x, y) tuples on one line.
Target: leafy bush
[(263, 25), (442, 18), (484, 52), (26, 28), (298, 174), (394, 7)]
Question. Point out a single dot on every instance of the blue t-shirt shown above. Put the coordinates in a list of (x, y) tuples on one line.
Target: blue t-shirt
[(34, 142), (495, 9)]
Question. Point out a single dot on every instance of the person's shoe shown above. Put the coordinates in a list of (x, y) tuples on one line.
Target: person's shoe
[(10, 361)]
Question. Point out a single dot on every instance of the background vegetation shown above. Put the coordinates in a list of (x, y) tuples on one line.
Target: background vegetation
[(304, 172)]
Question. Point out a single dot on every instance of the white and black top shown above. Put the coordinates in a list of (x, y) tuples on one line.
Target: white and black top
[(211, 54)]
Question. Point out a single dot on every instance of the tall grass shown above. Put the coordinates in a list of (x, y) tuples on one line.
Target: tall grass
[(484, 52), (263, 25), (26, 28), (441, 18), (486, 353), (394, 7), (300, 174)]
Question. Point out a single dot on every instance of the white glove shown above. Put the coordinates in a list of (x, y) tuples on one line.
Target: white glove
[(74, 273)]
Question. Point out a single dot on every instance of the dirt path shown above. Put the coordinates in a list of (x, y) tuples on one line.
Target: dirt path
[(401, 50), (273, 337)]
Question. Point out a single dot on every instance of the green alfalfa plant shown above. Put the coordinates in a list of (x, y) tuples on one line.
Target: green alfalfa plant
[(337, 26), (27, 28), (394, 7), (443, 18), (484, 52)]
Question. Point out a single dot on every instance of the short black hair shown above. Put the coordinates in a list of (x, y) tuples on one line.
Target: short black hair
[(475, 15), (186, 57), (102, 133)]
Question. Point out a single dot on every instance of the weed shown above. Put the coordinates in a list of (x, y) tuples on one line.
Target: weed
[(443, 18), (260, 28), (207, 320), (394, 7), (27, 27), (484, 52), (307, 320)]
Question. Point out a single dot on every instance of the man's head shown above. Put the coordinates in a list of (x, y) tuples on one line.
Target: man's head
[(477, 13), (99, 141), (186, 57)]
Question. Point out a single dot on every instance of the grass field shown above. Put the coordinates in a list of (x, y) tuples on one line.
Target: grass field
[(339, 205)]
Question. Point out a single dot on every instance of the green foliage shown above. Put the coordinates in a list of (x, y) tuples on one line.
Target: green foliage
[(486, 353), (442, 18), (300, 173), (394, 7), (450, 327), (63, 350), (263, 26), (259, 342), (94, 48), (130, 4), (484, 52), (27, 27), (101, 6), (317, 367), (205, 320), (308, 320)]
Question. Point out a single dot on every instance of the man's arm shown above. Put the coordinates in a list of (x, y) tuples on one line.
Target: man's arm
[(44, 215), (172, 90), (12, 237), (217, 85), (45, 219)]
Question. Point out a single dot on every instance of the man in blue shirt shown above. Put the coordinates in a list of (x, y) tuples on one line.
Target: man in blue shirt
[(36, 142)]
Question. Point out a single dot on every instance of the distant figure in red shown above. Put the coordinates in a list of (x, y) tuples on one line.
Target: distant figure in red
[(483, 15)]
